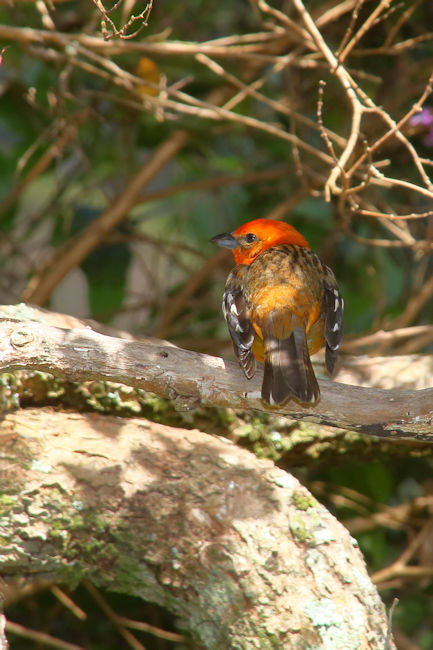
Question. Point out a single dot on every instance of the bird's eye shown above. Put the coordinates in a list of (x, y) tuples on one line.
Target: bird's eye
[(250, 237)]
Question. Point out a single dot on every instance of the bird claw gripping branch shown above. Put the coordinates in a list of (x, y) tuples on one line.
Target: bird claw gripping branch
[(281, 304)]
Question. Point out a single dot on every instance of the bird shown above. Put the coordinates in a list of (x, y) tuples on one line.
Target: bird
[(281, 304)]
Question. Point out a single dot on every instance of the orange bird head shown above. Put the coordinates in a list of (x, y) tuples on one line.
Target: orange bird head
[(251, 239)]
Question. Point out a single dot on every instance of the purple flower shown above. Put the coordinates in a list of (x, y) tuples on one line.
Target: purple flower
[(423, 118)]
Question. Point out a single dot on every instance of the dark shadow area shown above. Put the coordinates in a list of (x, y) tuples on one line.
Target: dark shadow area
[(90, 628)]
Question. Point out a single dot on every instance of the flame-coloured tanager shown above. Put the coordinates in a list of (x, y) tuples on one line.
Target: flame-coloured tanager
[(281, 304)]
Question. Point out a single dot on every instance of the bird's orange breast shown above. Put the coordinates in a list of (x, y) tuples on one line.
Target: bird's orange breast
[(284, 286)]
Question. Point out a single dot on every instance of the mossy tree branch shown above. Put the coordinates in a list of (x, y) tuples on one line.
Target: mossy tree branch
[(232, 545)]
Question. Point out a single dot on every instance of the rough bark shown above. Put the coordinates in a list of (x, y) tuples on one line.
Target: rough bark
[(235, 547), (189, 379)]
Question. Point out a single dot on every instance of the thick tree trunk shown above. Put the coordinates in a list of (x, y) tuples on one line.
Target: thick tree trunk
[(235, 547)]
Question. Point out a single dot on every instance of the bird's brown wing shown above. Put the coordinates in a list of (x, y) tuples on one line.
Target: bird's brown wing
[(236, 314), (333, 306)]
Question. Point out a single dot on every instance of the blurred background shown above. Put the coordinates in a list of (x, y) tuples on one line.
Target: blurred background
[(131, 133)]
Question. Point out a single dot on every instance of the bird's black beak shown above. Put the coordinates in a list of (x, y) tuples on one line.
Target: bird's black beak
[(226, 240)]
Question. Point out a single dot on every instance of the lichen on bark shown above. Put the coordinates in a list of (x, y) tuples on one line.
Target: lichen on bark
[(236, 548)]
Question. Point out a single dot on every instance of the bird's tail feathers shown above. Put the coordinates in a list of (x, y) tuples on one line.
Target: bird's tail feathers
[(288, 370), (331, 357)]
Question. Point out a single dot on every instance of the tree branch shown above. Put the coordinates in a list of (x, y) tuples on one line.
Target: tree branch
[(236, 548), (190, 379)]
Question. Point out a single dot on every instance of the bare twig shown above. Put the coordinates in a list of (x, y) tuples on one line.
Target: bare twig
[(151, 629), (349, 87), (290, 25), (112, 616), (405, 16), (279, 107), (400, 567), (396, 49), (256, 51), (388, 337), (396, 130), (324, 132), (350, 28), (368, 23), (40, 637), (142, 18), (392, 217), (68, 602)]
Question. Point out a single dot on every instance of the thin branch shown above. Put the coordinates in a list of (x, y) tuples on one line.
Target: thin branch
[(396, 49), (416, 344), (68, 602), (368, 23), (350, 28), (279, 107), (112, 616), (385, 336), (324, 132), (151, 629), (291, 26), (349, 87), (392, 217), (396, 130), (400, 567), (40, 637), (237, 39), (376, 241), (211, 111), (334, 13), (405, 16), (360, 103), (166, 48)]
